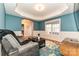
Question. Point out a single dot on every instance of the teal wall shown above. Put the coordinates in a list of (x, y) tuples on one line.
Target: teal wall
[(13, 22), (76, 16), (2, 16), (39, 25), (36, 25), (68, 22)]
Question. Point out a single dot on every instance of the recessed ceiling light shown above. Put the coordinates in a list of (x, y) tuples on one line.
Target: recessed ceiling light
[(39, 7)]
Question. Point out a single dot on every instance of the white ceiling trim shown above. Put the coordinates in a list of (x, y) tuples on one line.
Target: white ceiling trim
[(57, 12)]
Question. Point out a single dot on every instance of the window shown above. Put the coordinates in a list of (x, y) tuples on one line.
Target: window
[(48, 28), (53, 27)]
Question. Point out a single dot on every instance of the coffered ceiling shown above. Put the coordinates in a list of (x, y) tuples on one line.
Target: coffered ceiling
[(38, 12)]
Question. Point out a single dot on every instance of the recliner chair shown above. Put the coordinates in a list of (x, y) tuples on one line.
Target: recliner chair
[(14, 48)]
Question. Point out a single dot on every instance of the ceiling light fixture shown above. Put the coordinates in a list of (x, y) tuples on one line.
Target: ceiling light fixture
[(39, 7)]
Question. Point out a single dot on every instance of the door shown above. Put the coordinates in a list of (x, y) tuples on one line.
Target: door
[(28, 27)]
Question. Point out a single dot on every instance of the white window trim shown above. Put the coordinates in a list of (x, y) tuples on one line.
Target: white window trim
[(52, 21)]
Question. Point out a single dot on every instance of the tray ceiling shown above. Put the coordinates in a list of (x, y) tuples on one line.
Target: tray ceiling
[(46, 10)]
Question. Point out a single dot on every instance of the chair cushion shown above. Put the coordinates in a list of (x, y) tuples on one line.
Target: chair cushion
[(6, 45), (12, 40)]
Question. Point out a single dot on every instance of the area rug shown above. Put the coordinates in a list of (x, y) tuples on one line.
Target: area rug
[(53, 51)]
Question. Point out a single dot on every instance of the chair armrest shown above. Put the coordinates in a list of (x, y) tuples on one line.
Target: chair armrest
[(13, 52), (25, 48)]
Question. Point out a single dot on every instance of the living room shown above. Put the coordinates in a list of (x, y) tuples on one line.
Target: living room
[(56, 24)]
